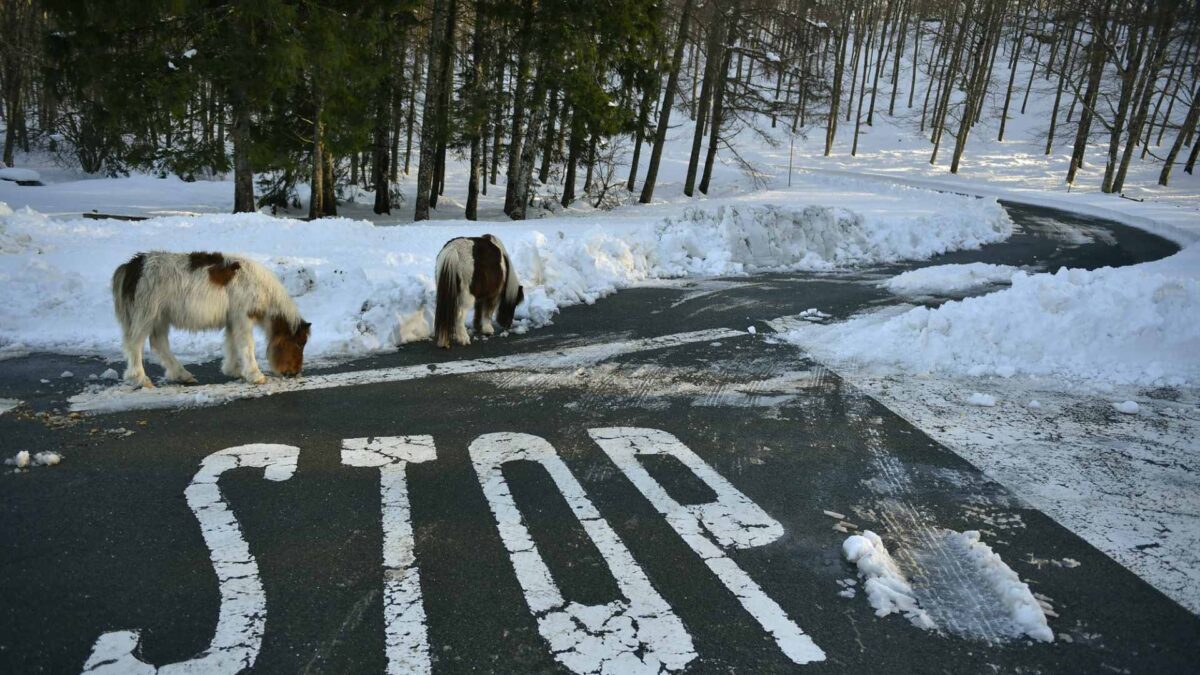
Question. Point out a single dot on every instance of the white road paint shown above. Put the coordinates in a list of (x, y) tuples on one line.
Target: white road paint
[(403, 612), (121, 398), (637, 634), (721, 520), (243, 613)]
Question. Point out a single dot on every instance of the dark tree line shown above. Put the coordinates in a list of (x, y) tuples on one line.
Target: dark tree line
[(549, 94)]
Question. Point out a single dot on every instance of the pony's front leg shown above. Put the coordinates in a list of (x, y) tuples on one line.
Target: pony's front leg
[(484, 309), (243, 340), (161, 344), (232, 364)]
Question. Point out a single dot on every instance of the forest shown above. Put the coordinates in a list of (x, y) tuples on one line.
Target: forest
[(572, 99)]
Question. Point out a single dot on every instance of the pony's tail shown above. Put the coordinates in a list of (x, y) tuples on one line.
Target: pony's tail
[(448, 290), (124, 288), (512, 284)]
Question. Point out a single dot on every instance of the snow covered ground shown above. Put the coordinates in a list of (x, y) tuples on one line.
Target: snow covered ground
[(368, 288)]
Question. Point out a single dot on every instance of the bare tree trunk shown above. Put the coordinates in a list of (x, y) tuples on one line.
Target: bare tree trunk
[(573, 147), (664, 116), (1062, 78), (1158, 55), (548, 141), (1095, 70), (1018, 41), (243, 173), (835, 98), (316, 206), (718, 109), (478, 103), (712, 60), (429, 124), (445, 86), (1128, 81), (1189, 125), (517, 138), (639, 136), (866, 59), (942, 108)]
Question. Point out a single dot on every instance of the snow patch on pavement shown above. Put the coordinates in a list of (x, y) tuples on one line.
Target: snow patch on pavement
[(954, 280), (7, 404), (985, 585)]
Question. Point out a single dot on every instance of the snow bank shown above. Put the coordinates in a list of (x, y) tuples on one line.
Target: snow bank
[(1131, 325), (949, 279), (887, 589), (738, 237), (15, 174), (368, 288)]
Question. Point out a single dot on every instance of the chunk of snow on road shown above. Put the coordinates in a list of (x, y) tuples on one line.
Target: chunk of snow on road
[(887, 589), (15, 174), (66, 374), (361, 284), (1126, 407), (982, 400), (751, 330), (1035, 404), (7, 404), (24, 460), (835, 515), (110, 374), (47, 458), (1131, 325), (949, 279)]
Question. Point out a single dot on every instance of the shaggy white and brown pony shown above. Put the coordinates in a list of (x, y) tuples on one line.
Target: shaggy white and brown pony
[(474, 271), (206, 291)]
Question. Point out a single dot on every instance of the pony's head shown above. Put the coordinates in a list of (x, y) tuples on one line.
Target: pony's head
[(285, 346), (508, 307)]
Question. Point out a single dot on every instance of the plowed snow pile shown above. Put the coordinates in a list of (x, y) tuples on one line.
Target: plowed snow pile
[(1132, 325), (368, 288)]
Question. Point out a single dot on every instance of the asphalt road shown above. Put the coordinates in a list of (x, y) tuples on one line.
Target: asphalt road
[(644, 484)]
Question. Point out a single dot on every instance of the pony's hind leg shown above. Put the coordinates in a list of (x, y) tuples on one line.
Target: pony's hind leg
[(134, 333), (231, 365), (161, 344), (460, 325)]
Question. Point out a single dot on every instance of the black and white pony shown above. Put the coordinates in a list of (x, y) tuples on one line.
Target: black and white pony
[(474, 271), (206, 291)]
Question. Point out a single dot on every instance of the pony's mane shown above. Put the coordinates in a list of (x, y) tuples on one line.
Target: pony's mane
[(278, 301)]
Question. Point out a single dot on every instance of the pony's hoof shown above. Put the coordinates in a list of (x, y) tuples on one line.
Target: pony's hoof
[(488, 330), (143, 383), (187, 380), (259, 379)]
